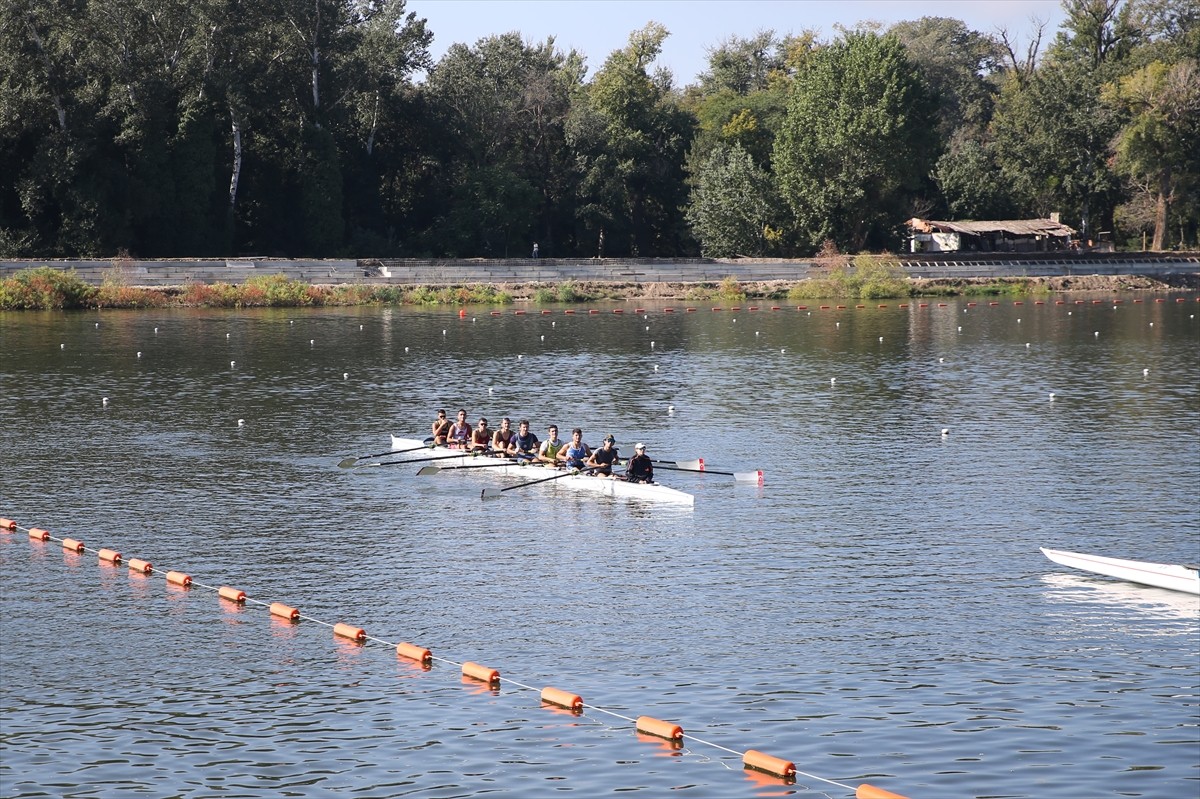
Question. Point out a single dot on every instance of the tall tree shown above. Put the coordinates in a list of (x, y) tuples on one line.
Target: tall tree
[(855, 149), (632, 149), (732, 208)]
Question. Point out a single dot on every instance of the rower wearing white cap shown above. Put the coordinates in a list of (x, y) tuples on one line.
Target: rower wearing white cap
[(640, 468)]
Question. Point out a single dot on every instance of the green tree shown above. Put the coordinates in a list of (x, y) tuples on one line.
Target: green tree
[(1157, 147), (854, 149), (630, 134), (732, 206)]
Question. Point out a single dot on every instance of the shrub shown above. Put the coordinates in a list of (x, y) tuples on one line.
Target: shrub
[(118, 296), (277, 291), (730, 289), (545, 295), (44, 288)]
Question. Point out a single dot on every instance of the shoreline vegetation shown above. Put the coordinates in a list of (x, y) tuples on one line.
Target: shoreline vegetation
[(46, 288)]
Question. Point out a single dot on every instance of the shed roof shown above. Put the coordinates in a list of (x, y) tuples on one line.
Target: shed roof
[(1011, 227)]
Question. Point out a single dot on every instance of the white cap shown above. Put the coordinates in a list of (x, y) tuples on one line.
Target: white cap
[(639, 445)]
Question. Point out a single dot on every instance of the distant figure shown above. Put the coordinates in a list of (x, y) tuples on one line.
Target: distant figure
[(600, 252), (535, 250)]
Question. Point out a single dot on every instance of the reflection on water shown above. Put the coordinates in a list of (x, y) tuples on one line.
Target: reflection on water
[(878, 611)]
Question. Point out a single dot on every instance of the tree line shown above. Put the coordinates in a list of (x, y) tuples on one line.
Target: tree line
[(176, 128)]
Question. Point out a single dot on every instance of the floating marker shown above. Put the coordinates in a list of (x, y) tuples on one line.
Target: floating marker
[(960, 328), (360, 327), (651, 345), (1026, 345), (670, 409), (414, 652), (945, 432), (481, 673), (343, 630), (406, 349), (73, 545), (783, 349), (232, 364), (312, 341), (38, 534), (62, 346), (1145, 372), (97, 324), (543, 338), (555, 696), (656, 367), (865, 791), (832, 380), (156, 331), (519, 357), (104, 401), (241, 422), (881, 338), (760, 761), (232, 594), (180, 579), (1052, 396), (941, 360), (110, 556), (1097, 334), (226, 335), (140, 566), (285, 611), (663, 729), (8, 524), (345, 375)]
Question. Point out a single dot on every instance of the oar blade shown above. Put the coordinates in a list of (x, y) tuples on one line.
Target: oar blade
[(347, 463), (490, 493), (428, 470), (692, 466), (749, 477)]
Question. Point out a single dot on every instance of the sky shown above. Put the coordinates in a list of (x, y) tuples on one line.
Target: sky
[(598, 27)]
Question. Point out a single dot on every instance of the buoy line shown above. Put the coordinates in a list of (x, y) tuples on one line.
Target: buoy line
[(672, 732)]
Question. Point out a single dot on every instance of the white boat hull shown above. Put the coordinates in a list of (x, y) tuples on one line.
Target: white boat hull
[(578, 482), (1159, 575)]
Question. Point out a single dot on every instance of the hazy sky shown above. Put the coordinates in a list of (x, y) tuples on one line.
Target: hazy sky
[(597, 27)]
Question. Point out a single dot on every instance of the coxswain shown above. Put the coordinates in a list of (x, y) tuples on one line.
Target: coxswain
[(640, 468)]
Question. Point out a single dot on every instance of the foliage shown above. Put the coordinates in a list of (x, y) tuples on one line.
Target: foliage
[(732, 206), (866, 278), (855, 147), (44, 288)]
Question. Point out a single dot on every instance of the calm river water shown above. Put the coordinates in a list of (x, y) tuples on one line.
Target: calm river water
[(877, 612)]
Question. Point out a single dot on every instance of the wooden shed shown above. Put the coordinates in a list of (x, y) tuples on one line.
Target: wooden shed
[(1006, 235)]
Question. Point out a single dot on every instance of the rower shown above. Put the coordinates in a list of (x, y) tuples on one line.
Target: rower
[(481, 437), (460, 431), (440, 428), (604, 458), (502, 437), (524, 444), (574, 452), (548, 452), (640, 468)]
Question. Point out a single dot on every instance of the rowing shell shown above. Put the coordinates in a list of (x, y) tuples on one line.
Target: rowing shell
[(581, 482), (1159, 575)]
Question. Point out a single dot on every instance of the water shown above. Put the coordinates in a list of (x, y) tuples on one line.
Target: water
[(877, 612)]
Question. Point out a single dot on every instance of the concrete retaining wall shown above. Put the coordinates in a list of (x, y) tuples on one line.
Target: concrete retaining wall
[(554, 270)]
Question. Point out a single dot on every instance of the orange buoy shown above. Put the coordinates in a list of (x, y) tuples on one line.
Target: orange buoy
[(639, 310), (232, 594), (138, 565), (923, 305), (350, 631), (414, 652), (495, 313), (546, 313), (518, 313), (481, 673), (860, 307), (180, 579), (866, 791), (672, 310), (285, 611), (841, 307), (823, 308), (554, 696), (38, 534), (805, 307), (776, 307), (462, 313), (73, 545), (663, 729), (760, 761), (593, 310), (942, 305), (1060, 302), (1039, 302), (993, 304), (972, 304), (618, 310), (110, 556), (752, 308), (902, 305), (8, 524), (716, 309), (735, 308), (882, 306)]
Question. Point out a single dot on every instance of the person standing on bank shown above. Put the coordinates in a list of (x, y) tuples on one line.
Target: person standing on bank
[(535, 250), (640, 468), (604, 458)]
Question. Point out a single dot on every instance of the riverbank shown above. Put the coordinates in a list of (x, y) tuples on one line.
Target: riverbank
[(45, 288)]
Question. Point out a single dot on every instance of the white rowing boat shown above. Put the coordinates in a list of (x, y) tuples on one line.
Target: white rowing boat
[(1159, 575), (608, 486)]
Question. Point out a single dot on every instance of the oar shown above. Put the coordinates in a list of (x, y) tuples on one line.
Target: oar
[(349, 460), (421, 460), (426, 470), (496, 492), (697, 464), (738, 477)]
